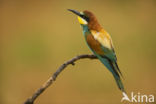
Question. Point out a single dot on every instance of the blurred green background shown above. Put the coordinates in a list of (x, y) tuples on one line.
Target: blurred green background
[(36, 37)]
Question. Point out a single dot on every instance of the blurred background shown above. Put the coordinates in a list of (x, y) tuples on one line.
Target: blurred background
[(36, 37)]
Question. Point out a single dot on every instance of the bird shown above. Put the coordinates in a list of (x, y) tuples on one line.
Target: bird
[(100, 43)]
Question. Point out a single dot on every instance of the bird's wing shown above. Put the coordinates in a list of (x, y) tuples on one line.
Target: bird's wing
[(106, 43), (101, 44)]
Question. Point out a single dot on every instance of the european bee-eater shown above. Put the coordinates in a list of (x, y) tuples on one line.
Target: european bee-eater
[(100, 43)]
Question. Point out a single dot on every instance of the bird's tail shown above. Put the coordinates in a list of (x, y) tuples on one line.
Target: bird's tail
[(113, 68)]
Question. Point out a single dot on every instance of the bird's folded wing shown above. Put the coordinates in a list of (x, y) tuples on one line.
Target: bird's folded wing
[(106, 43)]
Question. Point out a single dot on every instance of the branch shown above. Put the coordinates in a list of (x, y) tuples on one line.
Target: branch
[(54, 76)]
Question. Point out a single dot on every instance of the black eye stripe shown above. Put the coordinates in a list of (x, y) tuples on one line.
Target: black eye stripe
[(85, 17)]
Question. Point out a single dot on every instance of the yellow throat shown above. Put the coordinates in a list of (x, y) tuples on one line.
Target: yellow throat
[(82, 21)]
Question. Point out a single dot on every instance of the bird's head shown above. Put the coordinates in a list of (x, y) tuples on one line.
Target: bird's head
[(87, 18)]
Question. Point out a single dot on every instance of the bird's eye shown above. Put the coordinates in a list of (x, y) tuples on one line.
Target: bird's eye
[(85, 17)]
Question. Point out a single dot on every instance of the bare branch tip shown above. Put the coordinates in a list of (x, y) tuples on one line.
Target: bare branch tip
[(54, 76)]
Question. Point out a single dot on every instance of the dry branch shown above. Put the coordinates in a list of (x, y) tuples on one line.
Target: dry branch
[(54, 76)]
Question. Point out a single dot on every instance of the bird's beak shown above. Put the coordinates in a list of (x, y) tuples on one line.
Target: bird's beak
[(75, 12), (81, 17)]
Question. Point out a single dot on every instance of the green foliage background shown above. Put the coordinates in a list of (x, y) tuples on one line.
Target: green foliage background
[(36, 37)]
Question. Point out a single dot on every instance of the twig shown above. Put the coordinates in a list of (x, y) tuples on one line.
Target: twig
[(54, 76)]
